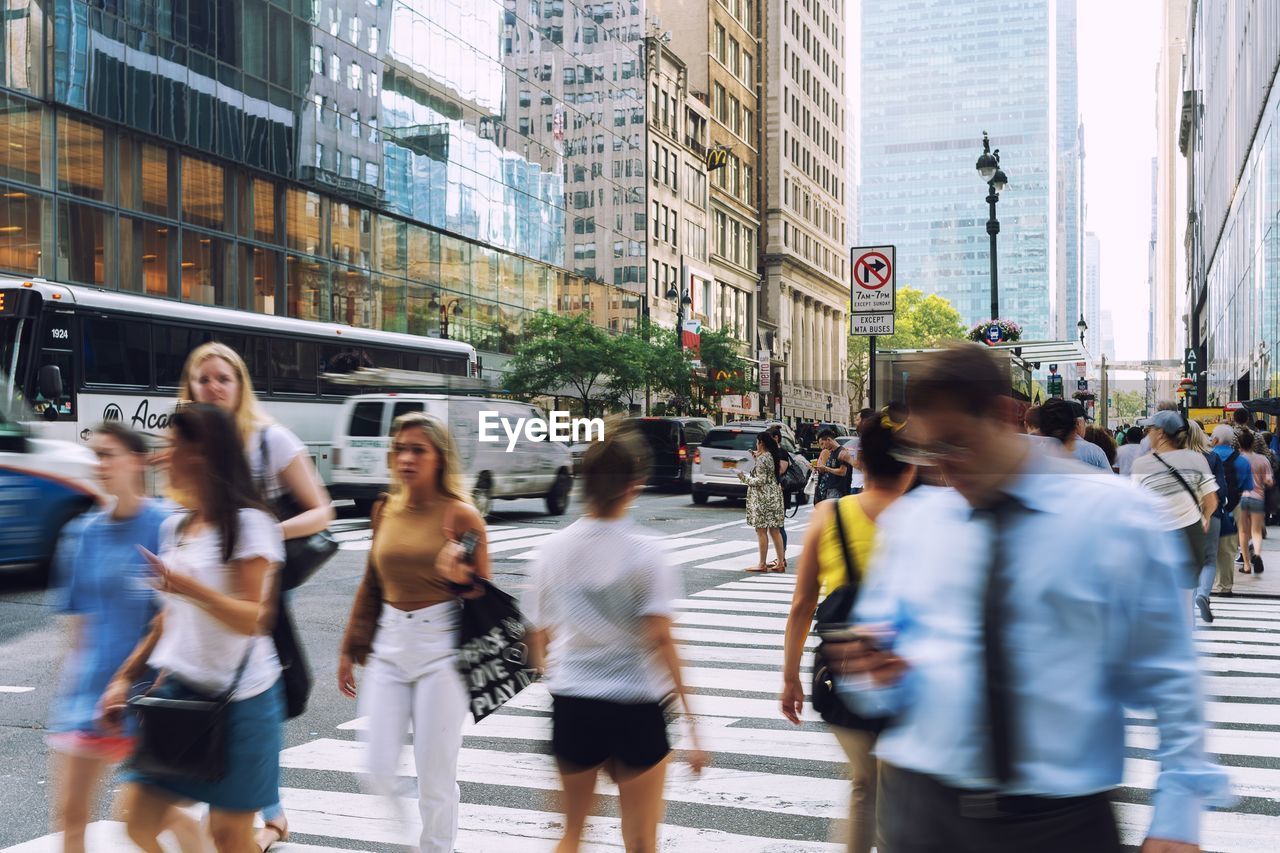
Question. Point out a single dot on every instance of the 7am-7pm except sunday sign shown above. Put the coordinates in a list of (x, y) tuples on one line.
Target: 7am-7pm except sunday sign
[(872, 290)]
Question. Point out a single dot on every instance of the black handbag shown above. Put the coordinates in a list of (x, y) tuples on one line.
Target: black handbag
[(304, 555), (493, 652), (834, 612), (184, 736), (796, 477)]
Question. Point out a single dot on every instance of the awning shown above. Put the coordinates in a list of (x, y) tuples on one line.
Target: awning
[(1264, 406), (1054, 352)]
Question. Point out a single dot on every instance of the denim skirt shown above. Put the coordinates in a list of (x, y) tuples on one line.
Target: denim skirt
[(254, 740)]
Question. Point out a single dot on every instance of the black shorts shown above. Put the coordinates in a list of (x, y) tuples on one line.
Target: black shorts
[(586, 733)]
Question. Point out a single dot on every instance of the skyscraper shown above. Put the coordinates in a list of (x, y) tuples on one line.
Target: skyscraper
[(806, 284), (935, 75)]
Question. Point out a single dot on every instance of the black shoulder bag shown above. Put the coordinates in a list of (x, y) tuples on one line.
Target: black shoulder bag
[(304, 555), (834, 612), (184, 737), (493, 651)]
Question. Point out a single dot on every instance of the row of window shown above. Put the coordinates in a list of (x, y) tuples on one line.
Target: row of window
[(731, 113), (735, 241), (141, 354), (737, 179), (666, 225), (736, 59), (666, 166)]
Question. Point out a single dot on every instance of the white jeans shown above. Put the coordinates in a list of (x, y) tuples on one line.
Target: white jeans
[(412, 677)]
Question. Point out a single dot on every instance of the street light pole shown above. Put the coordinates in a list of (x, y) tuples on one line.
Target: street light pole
[(989, 168)]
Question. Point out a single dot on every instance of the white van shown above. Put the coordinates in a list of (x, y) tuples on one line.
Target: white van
[(533, 469)]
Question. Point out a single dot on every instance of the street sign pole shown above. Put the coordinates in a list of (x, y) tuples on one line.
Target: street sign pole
[(871, 387), (872, 300)]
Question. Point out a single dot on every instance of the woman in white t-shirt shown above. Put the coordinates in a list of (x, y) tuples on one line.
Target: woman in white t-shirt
[(1181, 479), (214, 568), (601, 595), (280, 466)]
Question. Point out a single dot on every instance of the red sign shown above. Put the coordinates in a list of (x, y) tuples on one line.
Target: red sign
[(1234, 406), (873, 271)]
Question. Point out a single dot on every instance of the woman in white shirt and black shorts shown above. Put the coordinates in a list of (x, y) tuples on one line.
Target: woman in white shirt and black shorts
[(601, 597), (213, 567)]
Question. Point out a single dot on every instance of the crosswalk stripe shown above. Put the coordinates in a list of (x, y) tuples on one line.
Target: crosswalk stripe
[(1217, 741), (744, 595), (485, 829), (736, 605), (664, 544), (514, 533)]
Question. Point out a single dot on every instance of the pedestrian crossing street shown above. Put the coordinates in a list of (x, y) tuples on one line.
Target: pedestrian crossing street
[(772, 787)]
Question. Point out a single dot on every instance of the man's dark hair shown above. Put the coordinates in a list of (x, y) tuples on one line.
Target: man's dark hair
[(1057, 419), (826, 432), (1260, 425), (963, 377), (132, 440), (1133, 435), (1241, 417), (864, 414), (1032, 417)]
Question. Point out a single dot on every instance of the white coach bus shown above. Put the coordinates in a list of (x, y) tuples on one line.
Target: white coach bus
[(120, 357)]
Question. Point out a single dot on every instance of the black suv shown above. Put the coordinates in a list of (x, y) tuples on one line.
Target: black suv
[(672, 442)]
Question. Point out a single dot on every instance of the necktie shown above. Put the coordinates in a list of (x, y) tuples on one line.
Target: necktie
[(995, 654)]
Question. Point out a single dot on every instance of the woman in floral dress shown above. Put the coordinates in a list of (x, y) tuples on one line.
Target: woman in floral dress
[(764, 502)]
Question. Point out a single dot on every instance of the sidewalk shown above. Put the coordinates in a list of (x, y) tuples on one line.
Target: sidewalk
[(1267, 583)]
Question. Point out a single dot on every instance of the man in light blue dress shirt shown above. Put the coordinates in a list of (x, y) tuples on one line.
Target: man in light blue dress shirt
[(1025, 609)]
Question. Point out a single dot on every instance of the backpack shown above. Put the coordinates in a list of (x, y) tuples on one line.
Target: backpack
[(1232, 477)]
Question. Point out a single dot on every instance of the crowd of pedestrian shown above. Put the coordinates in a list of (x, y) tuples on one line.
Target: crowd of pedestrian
[(961, 680)]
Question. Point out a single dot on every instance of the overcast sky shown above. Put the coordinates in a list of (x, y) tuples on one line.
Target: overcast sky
[(1118, 46)]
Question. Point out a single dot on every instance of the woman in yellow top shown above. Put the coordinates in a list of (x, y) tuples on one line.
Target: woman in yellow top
[(823, 569)]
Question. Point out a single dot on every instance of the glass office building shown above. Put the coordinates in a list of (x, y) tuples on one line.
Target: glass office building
[(1231, 136), (430, 166), (935, 75)]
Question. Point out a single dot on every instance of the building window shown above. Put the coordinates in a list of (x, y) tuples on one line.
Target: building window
[(335, 68), (355, 76), (317, 59)]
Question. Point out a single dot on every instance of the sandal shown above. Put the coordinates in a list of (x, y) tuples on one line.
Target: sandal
[(779, 567), (759, 570), (264, 835)]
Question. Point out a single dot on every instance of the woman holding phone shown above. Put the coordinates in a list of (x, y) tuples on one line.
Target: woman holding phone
[(428, 546), (212, 570), (765, 510)]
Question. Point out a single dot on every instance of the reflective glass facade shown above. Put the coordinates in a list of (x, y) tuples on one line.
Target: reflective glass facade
[(360, 161), (1233, 148), (935, 75)]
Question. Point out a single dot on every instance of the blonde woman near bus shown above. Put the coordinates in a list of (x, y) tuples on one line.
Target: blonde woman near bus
[(429, 545)]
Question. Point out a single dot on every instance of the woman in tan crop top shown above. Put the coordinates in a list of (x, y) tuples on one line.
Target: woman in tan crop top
[(404, 623)]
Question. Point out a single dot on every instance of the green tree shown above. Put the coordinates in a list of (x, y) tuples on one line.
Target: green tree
[(1129, 405), (922, 321), (562, 351)]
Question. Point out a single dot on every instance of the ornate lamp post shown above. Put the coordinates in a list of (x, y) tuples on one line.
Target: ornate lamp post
[(989, 168)]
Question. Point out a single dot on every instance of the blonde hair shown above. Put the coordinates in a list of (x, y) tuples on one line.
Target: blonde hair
[(450, 480), (1196, 438), (248, 414)]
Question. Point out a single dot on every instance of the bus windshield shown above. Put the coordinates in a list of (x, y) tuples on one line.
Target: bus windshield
[(15, 344)]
